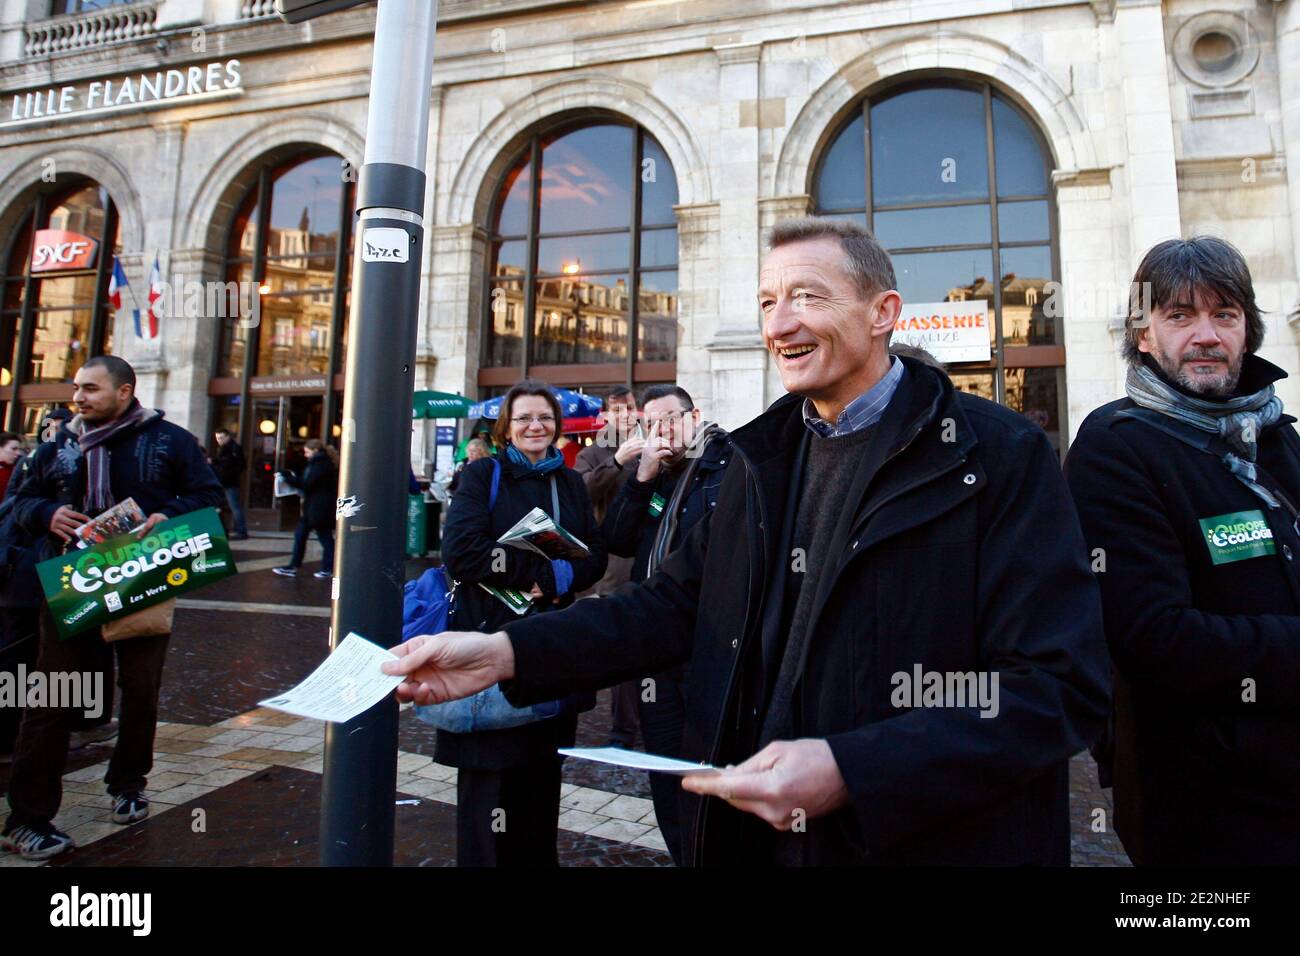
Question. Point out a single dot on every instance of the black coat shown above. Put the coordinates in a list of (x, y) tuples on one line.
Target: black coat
[(631, 525), (470, 553), (157, 463), (229, 463), (319, 483), (1200, 776), (962, 555)]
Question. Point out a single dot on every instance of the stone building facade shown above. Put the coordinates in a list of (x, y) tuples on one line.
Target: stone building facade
[(1020, 152)]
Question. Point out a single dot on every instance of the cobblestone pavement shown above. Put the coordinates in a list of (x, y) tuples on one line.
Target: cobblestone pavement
[(247, 780)]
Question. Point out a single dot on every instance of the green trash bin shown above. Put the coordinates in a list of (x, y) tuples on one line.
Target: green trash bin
[(415, 526)]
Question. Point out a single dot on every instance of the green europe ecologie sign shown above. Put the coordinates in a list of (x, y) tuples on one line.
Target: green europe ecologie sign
[(87, 588)]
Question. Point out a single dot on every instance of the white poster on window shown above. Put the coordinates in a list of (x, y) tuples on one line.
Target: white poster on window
[(950, 331)]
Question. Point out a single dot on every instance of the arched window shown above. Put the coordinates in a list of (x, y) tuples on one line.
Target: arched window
[(54, 308), (278, 378), (956, 183), (581, 284), (284, 243)]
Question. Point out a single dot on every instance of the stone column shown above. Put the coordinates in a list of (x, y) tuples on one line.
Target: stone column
[(1288, 58), (697, 299), (1142, 61), (736, 354), (1092, 287)]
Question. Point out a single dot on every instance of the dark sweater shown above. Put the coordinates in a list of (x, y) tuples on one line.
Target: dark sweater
[(828, 475)]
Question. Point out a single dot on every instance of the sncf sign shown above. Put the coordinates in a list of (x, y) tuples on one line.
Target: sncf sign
[(58, 249)]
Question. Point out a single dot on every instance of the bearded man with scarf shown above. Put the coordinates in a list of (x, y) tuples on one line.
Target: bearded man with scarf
[(1187, 493), (112, 450)]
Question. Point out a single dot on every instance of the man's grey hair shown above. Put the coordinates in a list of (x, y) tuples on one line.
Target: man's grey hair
[(865, 259)]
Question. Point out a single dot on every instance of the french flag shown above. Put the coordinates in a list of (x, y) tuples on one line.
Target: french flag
[(150, 330), (116, 283)]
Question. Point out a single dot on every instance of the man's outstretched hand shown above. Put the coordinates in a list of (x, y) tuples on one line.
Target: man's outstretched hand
[(451, 665)]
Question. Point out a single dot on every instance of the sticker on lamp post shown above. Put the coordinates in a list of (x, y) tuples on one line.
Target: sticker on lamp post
[(385, 244)]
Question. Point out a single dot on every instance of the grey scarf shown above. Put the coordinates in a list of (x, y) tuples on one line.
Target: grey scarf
[(91, 441), (663, 542), (1237, 421)]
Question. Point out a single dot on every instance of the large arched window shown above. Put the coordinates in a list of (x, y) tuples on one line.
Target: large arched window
[(581, 285), (955, 182), (278, 378), (54, 308)]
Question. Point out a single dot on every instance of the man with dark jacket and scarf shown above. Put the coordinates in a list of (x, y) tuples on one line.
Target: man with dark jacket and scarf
[(891, 624), (113, 450), (1187, 492), (675, 484)]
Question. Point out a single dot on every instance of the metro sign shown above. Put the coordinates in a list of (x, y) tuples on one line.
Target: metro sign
[(57, 250)]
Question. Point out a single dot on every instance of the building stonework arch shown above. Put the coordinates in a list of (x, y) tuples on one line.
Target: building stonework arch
[(942, 52), (231, 174), (475, 183), (24, 181)]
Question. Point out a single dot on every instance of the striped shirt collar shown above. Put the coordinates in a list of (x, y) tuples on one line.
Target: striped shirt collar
[(863, 411)]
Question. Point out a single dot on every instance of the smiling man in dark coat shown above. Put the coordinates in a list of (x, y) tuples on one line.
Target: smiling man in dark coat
[(1187, 491), (890, 621)]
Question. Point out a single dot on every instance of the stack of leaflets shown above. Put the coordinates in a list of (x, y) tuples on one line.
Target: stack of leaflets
[(536, 531), (123, 518)]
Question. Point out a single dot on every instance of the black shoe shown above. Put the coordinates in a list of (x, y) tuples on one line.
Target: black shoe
[(238, 537), (286, 572), (37, 841), (322, 574), (130, 807)]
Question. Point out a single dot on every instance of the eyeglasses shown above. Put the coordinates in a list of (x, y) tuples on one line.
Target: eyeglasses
[(523, 421)]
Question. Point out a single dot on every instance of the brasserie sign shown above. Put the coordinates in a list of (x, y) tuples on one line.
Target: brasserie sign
[(184, 84)]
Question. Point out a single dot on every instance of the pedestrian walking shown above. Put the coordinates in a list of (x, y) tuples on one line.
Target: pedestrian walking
[(318, 482), (508, 782), (229, 466), (1187, 491), (114, 449)]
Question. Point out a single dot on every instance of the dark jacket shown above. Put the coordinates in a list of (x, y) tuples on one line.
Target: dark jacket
[(631, 525), (319, 483), (961, 555), (1200, 776), (470, 552), (604, 477), (229, 463), (157, 463)]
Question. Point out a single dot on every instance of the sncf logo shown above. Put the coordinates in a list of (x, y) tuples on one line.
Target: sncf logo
[(58, 249)]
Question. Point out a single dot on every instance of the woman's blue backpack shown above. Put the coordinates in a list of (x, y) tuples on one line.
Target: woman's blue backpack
[(426, 609)]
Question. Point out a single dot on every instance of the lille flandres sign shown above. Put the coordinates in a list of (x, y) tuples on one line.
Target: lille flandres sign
[(151, 88)]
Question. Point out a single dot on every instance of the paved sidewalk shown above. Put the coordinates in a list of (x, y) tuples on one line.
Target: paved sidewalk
[(247, 780)]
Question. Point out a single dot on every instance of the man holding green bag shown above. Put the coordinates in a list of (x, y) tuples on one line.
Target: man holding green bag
[(113, 450)]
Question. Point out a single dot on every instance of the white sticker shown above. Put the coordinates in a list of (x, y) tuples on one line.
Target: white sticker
[(385, 244), (347, 507), (334, 588)]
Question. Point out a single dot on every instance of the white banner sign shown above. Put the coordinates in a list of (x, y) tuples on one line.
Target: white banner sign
[(136, 91), (950, 331)]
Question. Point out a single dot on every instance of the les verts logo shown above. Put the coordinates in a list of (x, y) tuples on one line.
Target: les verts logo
[(123, 575), (1238, 536)]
